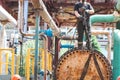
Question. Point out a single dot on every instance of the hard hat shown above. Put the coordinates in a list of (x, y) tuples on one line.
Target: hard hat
[(16, 77)]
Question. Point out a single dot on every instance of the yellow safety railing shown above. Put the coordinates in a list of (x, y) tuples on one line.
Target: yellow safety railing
[(8, 52), (17, 64), (49, 61), (30, 62)]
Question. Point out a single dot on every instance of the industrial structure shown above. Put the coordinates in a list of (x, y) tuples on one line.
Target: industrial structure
[(38, 41)]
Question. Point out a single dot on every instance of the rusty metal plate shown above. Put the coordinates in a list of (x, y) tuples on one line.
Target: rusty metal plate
[(71, 65)]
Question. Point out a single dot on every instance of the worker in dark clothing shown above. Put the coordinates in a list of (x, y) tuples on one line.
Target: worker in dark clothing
[(80, 8)]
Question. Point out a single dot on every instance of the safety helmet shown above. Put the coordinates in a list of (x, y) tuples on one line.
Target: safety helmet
[(16, 77)]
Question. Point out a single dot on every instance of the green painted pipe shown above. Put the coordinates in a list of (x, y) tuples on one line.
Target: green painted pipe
[(105, 17), (111, 18), (116, 56), (101, 18), (37, 20)]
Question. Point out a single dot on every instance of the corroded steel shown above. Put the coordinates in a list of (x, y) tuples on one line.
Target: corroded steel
[(71, 64)]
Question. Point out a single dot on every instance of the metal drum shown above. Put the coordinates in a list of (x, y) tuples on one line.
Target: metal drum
[(71, 64)]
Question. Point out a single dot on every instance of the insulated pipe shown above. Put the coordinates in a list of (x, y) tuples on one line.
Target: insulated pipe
[(46, 16), (102, 18), (107, 17), (25, 15), (20, 14), (21, 19), (99, 18), (7, 16), (116, 56)]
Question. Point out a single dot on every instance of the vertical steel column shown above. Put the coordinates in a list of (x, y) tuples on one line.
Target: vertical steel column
[(36, 43)]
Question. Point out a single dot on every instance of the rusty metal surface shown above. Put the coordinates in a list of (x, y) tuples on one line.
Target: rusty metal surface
[(71, 64), (53, 7)]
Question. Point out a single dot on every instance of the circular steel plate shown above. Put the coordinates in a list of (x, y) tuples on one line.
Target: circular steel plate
[(71, 65)]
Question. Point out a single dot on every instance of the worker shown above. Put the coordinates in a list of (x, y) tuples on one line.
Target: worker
[(16, 77), (82, 7)]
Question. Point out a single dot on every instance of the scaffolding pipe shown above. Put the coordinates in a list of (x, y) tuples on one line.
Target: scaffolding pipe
[(21, 19)]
